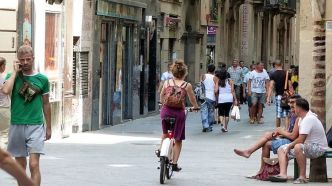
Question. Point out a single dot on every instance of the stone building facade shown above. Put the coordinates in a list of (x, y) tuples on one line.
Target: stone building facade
[(116, 62), (315, 55), (258, 30)]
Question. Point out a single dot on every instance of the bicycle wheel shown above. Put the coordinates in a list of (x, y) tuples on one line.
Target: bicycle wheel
[(163, 168), (169, 171)]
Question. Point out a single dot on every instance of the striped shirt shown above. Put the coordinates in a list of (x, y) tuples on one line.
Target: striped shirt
[(236, 75)]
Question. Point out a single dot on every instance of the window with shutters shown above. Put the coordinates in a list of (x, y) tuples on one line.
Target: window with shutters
[(84, 73)]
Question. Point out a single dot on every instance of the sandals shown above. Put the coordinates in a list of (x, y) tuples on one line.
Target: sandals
[(300, 181), (224, 130)]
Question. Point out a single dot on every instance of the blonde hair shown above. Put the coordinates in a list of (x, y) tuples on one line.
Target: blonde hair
[(24, 49), (179, 69)]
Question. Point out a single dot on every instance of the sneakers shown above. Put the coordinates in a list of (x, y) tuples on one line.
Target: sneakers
[(176, 168), (207, 130)]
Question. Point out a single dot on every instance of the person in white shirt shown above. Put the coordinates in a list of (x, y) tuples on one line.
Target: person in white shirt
[(207, 107), (245, 90), (165, 76), (257, 86), (311, 143)]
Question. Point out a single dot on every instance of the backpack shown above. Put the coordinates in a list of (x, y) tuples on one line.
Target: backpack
[(200, 91), (175, 95)]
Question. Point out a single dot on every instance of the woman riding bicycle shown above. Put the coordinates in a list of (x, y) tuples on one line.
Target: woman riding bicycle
[(179, 71)]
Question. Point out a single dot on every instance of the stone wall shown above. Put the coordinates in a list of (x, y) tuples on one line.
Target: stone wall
[(305, 55), (328, 16)]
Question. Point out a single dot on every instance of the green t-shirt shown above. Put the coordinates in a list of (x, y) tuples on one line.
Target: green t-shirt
[(28, 113)]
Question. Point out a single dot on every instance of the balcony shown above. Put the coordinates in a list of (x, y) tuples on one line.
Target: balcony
[(281, 6)]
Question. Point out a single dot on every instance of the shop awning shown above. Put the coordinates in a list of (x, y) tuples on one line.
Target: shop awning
[(54, 1)]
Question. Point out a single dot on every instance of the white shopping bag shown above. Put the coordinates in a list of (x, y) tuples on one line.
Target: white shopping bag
[(235, 113)]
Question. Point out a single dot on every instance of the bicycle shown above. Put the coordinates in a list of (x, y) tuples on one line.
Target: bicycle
[(166, 150)]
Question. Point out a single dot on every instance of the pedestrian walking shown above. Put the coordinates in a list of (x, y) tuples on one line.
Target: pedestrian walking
[(165, 76), (4, 105), (245, 91), (245, 70), (224, 88), (235, 71), (30, 105), (277, 84), (257, 87), (207, 107)]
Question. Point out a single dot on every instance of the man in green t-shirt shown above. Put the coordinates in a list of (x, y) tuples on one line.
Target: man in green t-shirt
[(30, 111)]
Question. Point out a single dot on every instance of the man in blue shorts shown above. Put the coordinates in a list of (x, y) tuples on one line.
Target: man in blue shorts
[(277, 84), (311, 143), (271, 141), (29, 92)]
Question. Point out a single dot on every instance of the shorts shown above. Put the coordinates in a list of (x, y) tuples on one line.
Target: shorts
[(24, 140), (278, 142), (4, 118), (280, 112), (310, 150), (249, 100), (257, 98), (224, 109)]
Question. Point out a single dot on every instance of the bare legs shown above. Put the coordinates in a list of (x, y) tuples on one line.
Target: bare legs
[(283, 162), (260, 143), (33, 165), (301, 160), (14, 169), (224, 121), (286, 121), (177, 151)]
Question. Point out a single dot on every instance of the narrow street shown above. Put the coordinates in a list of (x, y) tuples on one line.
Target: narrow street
[(124, 155)]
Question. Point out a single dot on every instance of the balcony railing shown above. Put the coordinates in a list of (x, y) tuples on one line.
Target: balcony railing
[(281, 6), (290, 4)]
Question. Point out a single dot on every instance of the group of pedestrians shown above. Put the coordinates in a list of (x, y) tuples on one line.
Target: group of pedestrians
[(30, 117)]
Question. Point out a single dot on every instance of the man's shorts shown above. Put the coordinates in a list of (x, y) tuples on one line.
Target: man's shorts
[(280, 112), (24, 140), (257, 98), (278, 142), (310, 150), (249, 100)]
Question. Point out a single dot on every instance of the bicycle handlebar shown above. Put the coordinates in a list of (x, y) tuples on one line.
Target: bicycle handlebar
[(188, 109)]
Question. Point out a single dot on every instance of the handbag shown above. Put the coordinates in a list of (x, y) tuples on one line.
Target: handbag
[(329, 137), (270, 168), (27, 90), (286, 95)]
